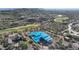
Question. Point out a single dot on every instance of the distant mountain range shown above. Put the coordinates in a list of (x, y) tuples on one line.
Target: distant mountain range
[(41, 8), (7, 8)]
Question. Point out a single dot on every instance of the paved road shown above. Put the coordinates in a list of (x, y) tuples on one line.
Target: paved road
[(71, 31)]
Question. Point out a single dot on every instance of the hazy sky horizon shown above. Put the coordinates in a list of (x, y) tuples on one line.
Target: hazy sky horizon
[(42, 8)]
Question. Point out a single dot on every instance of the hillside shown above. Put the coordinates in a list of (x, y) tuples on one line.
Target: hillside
[(18, 17)]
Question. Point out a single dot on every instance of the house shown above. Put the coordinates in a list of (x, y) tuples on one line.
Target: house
[(38, 36)]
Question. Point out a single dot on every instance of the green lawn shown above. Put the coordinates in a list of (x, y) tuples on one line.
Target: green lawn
[(20, 28), (60, 19)]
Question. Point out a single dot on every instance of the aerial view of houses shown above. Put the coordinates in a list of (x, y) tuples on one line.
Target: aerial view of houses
[(39, 29)]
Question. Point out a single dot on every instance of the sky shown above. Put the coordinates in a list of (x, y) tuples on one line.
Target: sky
[(39, 3)]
